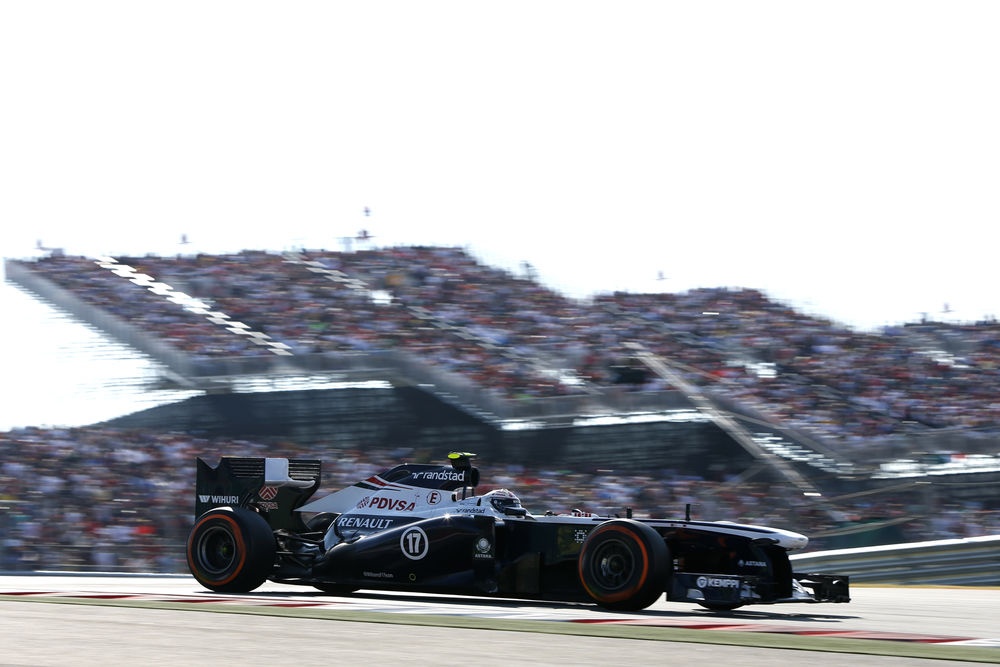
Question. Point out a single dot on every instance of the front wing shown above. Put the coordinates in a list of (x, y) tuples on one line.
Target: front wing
[(722, 591)]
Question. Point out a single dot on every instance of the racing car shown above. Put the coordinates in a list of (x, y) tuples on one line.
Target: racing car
[(424, 527)]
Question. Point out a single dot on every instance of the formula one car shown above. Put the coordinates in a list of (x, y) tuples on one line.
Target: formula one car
[(420, 527)]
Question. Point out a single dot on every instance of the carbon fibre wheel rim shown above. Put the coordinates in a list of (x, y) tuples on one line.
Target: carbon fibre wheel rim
[(216, 549), (613, 565)]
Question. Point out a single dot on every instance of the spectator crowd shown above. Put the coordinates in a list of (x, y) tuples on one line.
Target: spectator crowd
[(522, 340)]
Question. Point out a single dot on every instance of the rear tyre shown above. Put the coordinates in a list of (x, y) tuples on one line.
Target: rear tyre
[(624, 565), (231, 550)]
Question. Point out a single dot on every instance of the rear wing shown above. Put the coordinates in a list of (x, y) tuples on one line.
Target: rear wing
[(274, 487)]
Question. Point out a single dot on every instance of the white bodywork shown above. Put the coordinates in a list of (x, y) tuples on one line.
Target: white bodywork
[(377, 497)]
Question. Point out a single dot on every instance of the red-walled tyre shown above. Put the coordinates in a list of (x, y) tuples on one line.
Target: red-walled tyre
[(231, 550), (624, 565)]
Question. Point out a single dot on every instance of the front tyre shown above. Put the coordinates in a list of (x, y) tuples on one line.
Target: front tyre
[(231, 550), (624, 565)]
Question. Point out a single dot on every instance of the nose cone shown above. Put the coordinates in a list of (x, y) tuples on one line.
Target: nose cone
[(785, 538), (794, 540)]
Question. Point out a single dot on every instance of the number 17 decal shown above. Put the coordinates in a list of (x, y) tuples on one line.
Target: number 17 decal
[(414, 543)]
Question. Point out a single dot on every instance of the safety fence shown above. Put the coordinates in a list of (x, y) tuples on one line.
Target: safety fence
[(150, 555), (973, 561)]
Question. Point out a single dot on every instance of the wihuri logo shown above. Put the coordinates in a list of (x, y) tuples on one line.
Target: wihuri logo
[(218, 499)]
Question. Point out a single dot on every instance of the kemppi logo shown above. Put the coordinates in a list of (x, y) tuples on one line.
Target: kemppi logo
[(268, 492), (717, 582)]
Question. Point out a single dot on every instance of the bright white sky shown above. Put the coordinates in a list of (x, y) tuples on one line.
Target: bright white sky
[(840, 155)]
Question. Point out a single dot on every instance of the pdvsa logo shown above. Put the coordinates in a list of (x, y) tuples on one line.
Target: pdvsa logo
[(389, 504)]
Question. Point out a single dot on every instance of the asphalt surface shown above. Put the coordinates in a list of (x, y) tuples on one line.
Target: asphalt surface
[(171, 621)]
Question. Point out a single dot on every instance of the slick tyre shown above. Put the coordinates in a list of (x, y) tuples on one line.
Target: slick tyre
[(231, 550), (624, 565)]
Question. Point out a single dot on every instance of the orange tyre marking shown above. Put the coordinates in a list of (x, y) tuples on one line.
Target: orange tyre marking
[(621, 595), (240, 547)]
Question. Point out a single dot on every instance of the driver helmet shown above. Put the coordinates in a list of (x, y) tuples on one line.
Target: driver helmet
[(502, 499)]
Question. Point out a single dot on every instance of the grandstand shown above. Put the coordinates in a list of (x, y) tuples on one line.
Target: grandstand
[(426, 349)]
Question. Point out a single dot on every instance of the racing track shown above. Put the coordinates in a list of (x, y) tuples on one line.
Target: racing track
[(171, 620)]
